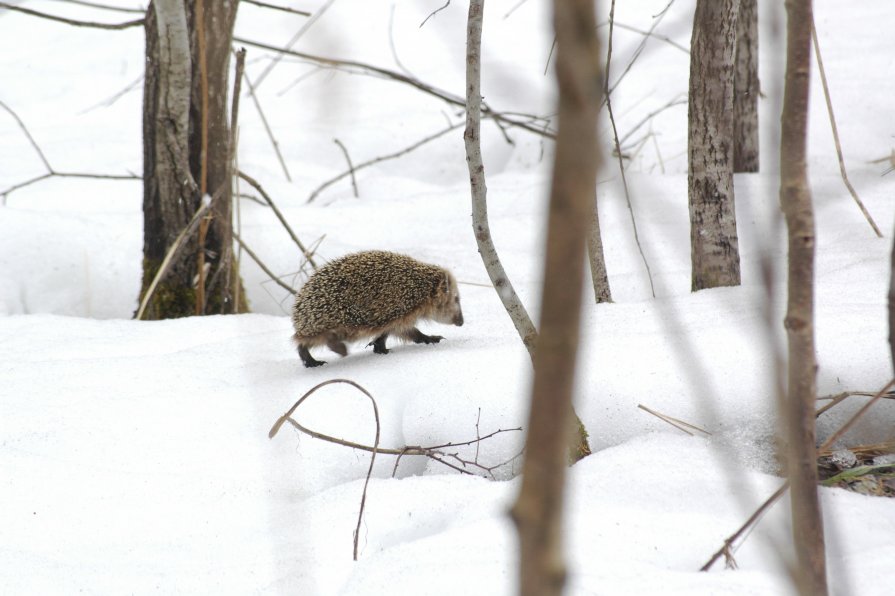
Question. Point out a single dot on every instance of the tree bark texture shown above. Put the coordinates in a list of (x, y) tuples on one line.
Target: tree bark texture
[(714, 246), (795, 199), (892, 304), (597, 260), (539, 508), (172, 116), (746, 89), (471, 136)]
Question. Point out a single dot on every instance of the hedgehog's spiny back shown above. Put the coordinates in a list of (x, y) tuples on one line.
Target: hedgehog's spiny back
[(363, 290)]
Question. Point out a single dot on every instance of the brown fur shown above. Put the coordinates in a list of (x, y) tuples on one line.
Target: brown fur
[(372, 294)]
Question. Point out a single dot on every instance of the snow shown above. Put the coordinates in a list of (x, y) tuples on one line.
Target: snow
[(135, 456)]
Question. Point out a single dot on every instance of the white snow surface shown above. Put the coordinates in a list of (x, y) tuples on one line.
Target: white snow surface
[(135, 458)]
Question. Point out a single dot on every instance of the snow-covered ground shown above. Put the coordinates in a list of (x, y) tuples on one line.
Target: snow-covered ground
[(134, 456)]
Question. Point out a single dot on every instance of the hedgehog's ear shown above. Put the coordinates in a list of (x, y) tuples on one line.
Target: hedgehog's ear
[(446, 281)]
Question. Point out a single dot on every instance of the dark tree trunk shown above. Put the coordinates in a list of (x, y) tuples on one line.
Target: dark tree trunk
[(173, 174), (714, 246), (746, 89), (538, 510), (597, 260), (795, 198)]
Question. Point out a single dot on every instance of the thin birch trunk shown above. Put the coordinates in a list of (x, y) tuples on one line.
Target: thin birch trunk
[(471, 136)]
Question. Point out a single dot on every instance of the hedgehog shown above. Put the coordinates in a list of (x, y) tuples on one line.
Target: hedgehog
[(372, 294)]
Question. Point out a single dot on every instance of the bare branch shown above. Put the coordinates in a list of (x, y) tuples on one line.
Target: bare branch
[(382, 158), (43, 15), (390, 74), (301, 247), (350, 166), (308, 24), (753, 519), (851, 189), (106, 6), (281, 8), (273, 276), (435, 12), (273, 140), (173, 251), (31, 140), (649, 33), (678, 424), (618, 151)]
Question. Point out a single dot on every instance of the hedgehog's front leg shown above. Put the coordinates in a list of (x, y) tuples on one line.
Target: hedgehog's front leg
[(306, 357), (379, 344), (418, 337)]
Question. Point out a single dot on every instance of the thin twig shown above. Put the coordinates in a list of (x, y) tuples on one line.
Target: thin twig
[(4, 193), (382, 158), (90, 24), (851, 421), (851, 189), (650, 33), (199, 10), (31, 140), (435, 12), (275, 7), (106, 6), (656, 20), (233, 161), (350, 166), (304, 28), (728, 542), (391, 42), (780, 491), (621, 165), (676, 101), (175, 249), (678, 424), (435, 452), (273, 140), (396, 76), (308, 254), (512, 10), (111, 100), (273, 276)]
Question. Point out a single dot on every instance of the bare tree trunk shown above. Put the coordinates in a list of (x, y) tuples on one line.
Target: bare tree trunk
[(175, 171), (170, 194), (597, 261), (892, 304), (746, 89), (538, 509), (471, 136), (795, 198), (714, 247)]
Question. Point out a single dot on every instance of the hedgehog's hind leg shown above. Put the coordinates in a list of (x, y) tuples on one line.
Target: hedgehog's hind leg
[(306, 357), (418, 337), (379, 344), (334, 343)]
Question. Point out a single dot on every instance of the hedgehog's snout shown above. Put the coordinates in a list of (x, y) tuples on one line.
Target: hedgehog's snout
[(458, 319)]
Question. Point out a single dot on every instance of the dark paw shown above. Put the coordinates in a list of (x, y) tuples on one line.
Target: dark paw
[(430, 339), (313, 363)]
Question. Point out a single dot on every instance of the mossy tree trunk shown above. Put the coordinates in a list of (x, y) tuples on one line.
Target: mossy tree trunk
[(186, 155)]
